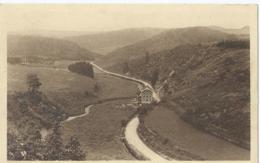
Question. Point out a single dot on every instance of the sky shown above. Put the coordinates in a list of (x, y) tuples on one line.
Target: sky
[(93, 17)]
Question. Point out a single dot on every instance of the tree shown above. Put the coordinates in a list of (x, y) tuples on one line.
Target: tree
[(96, 87), (14, 147), (167, 89), (147, 57), (73, 150), (154, 77), (33, 131), (23, 107), (143, 111), (82, 68), (33, 83), (55, 148), (34, 150), (125, 67)]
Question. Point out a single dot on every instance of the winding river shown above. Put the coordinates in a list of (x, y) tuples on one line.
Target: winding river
[(87, 109)]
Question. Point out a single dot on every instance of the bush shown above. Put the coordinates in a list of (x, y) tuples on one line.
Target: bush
[(82, 68), (73, 150), (33, 83), (14, 60), (123, 123), (165, 141), (52, 149), (96, 87)]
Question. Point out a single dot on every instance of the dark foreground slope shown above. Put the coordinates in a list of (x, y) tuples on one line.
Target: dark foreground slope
[(210, 87)]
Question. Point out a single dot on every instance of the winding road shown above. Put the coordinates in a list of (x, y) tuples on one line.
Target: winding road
[(137, 144), (131, 134), (146, 84)]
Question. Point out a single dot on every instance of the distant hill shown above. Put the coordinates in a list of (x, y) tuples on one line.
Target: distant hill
[(46, 48), (51, 33), (106, 42), (164, 40), (238, 31), (210, 87)]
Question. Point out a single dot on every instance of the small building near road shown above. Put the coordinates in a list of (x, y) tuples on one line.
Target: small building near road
[(145, 96)]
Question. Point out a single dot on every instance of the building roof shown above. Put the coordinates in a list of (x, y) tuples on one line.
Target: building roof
[(146, 89)]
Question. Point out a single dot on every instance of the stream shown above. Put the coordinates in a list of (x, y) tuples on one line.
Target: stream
[(87, 109), (44, 132)]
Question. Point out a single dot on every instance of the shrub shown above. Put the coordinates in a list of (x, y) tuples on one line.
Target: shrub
[(82, 68), (123, 123), (73, 150), (165, 141), (14, 60), (33, 83)]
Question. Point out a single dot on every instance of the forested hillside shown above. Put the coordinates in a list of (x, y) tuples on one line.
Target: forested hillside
[(210, 86), (163, 41)]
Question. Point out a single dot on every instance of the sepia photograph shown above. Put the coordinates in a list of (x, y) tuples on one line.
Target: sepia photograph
[(129, 82)]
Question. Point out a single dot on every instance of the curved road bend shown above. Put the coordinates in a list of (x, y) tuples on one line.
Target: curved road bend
[(134, 140)]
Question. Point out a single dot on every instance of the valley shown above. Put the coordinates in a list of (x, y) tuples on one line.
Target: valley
[(199, 78)]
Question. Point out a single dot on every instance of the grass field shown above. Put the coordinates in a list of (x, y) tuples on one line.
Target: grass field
[(99, 132), (52, 80), (170, 127), (68, 89)]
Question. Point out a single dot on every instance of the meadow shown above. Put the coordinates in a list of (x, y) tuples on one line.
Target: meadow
[(69, 90), (99, 132)]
